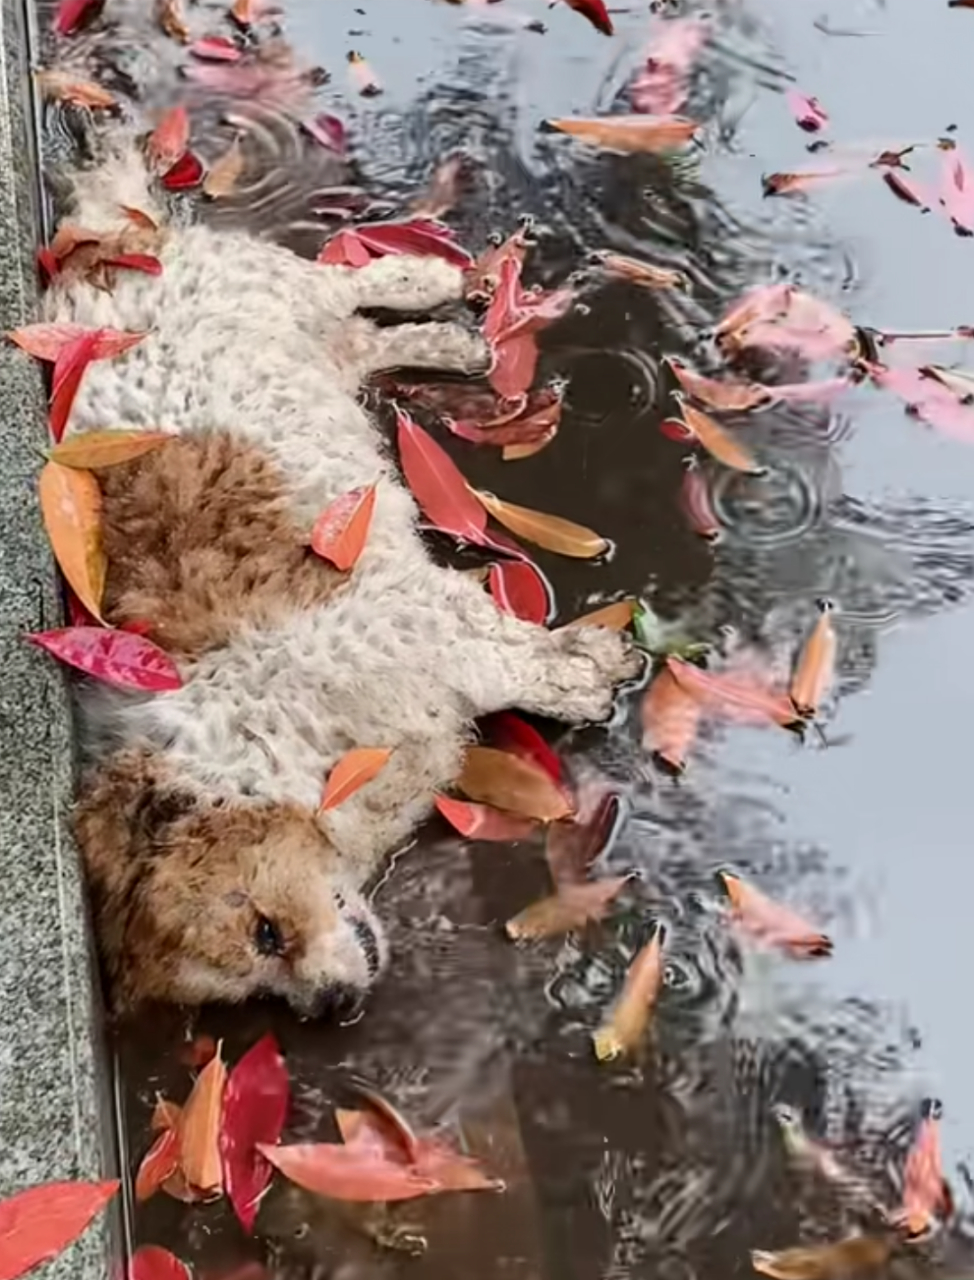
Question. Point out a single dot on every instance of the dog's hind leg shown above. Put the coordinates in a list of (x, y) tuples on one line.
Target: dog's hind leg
[(451, 348)]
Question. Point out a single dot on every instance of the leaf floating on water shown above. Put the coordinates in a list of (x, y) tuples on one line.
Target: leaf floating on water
[(747, 701), (729, 397), (696, 504), (352, 772), (117, 658), (340, 532), (515, 785), (642, 273), (661, 88), (550, 532), (199, 1128), (626, 1025), (816, 665), (422, 237), (909, 190), (185, 173), (71, 14), (782, 317), (573, 844), (152, 1262), (159, 1163), (508, 732), (809, 113), (596, 13), (345, 1173), (71, 506), (363, 78), (255, 1106), (670, 718), (928, 398), (38, 1224), (329, 132), (485, 274), (222, 179), (169, 139), (172, 20), (958, 381), (62, 87), (926, 1195), (718, 442), (435, 482), (443, 191), (637, 133), (957, 190), (518, 588), (841, 1261), (90, 449), (770, 922), (799, 180), (482, 822), (616, 617), (573, 907)]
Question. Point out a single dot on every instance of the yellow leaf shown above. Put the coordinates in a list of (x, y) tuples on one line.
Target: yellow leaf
[(354, 770), (816, 666), (551, 532), (507, 782), (654, 134), (630, 1015), (225, 173), (91, 449), (572, 907), (71, 507)]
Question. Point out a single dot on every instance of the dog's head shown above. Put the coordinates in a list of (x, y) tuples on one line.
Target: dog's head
[(198, 901)]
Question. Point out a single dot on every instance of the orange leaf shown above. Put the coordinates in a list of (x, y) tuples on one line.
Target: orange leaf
[(670, 717), (655, 134), (346, 1173), (224, 173), (641, 273), (738, 699), (166, 1115), (139, 218), (481, 822), (816, 666), (159, 1163), (731, 397), (627, 1023), (71, 506), (925, 1192), (340, 531), (616, 617), (718, 442), (62, 87), (773, 923), (354, 770), (39, 1223), (572, 907), (169, 139), (199, 1128), (170, 13), (551, 532), (512, 784), (89, 449), (852, 1257)]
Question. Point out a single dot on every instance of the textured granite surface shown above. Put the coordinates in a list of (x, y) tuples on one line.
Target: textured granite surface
[(54, 1100)]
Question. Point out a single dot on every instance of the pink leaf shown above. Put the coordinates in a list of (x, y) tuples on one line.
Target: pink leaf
[(957, 191), (186, 172), (38, 1224), (47, 265), (119, 658), (329, 132), (574, 844), (421, 236), (934, 403), (72, 13), (151, 1262), (437, 485), (519, 588), (255, 1107), (697, 506), (46, 341), (346, 249), (481, 822), (344, 1173), (514, 367), (661, 88), (69, 368), (809, 113), (215, 49)]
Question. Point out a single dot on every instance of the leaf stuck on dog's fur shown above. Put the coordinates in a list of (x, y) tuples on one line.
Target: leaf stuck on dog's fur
[(169, 139), (199, 1128), (117, 658), (512, 784), (340, 532), (518, 587), (255, 1107), (353, 771), (90, 449), (71, 506), (47, 341), (69, 368)]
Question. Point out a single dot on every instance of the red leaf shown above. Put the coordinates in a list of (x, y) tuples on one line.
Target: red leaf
[(215, 49), (345, 1173), (170, 138), (38, 1224), (46, 341), (340, 531), (72, 13), (596, 13), (676, 429), (136, 262), (118, 658), (345, 249), (152, 1262), (383, 1133), (437, 485), (809, 113), (69, 368), (508, 732), (420, 236), (519, 588), (515, 364), (186, 172), (482, 822), (47, 264), (78, 615), (329, 132), (254, 1110)]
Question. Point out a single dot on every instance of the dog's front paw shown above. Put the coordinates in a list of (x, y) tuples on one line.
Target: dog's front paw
[(585, 665), (458, 350)]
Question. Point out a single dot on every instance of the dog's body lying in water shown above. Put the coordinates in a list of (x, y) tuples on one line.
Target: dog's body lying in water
[(212, 876)]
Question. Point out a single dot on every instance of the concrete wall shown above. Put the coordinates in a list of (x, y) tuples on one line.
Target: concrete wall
[(54, 1099)]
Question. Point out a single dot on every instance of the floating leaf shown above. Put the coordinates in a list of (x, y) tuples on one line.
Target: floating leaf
[(929, 399), (484, 276), (152, 1262), (344, 1173), (169, 140), (329, 132), (255, 1107), (816, 665), (199, 1128), (69, 368), (926, 1195), (783, 317), (572, 845), (185, 173), (91, 449), (508, 732), (421, 237), (62, 87), (809, 113), (626, 1024), (909, 190), (729, 397), (838, 1261), (117, 658), (615, 617), (572, 907), (72, 13), (596, 13), (958, 381), (71, 506), (770, 922), (363, 78), (735, 697), (518, 588), (481, 822), (696, 503), (718, 442), (224, 174), (661, 88), (354, 770), (655, 134), (340, 532), (670, 718), (551, 532), (38, 1224), (159, 1164), (507, 782), (642, 273), (434, 481), (957, 190), (798, 181)]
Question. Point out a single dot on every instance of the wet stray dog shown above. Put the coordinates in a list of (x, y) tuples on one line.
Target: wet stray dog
[(212, 875)]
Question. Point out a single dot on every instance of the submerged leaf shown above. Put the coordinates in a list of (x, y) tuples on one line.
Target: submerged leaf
[(340, 532), (573, 844), (735, 697), (482, 822), (551, 532), (770, 922), (255, 1107), (841, 1261), (353, 771), (655, 134), (926, 1196), (225, 172), (71, 506), (627, 1023), (642, 273), (572, 907), (696, 503), (118, 658), (661, 87), (38, 1224), (510, 783), (508, 732), (199, 1128), (957, 190)]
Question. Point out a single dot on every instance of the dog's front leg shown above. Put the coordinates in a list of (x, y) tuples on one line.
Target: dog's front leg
[(396, 283), (447, 347)]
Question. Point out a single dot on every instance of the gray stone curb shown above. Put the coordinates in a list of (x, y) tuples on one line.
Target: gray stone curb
[(55, 1113)]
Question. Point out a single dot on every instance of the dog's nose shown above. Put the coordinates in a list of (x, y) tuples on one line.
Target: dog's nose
[(341, 1002)]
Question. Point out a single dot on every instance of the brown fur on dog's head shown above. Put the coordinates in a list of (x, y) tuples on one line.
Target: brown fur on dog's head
[(199, 900)]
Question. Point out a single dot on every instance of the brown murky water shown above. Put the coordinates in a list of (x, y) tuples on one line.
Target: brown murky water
[(674, 1167)]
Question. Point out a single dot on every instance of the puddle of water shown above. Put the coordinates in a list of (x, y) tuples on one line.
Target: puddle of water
[(674, 1168)]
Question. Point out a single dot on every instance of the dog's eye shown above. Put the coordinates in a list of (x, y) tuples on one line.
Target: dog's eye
[(267, 937)]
